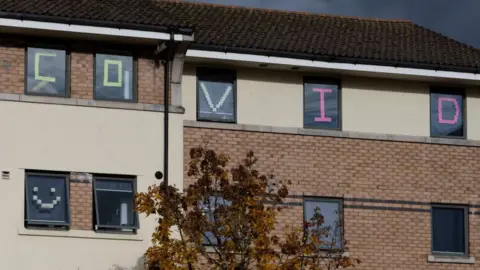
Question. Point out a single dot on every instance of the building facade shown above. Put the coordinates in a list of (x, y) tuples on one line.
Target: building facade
[(83, 103), (373, 121), (383, 141)]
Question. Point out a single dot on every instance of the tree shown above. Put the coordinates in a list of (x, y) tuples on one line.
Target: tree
[(226, 220)]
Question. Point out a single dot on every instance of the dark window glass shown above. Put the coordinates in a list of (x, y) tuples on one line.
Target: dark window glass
[(448, 230), (321, 105), (114, 77), (209, 207), (114, 204), (46, 200), (216, 95), (446, 113), (330, 210), (46, 72)]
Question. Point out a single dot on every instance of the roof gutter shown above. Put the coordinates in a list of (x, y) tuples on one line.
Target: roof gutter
[(294, 60), (325, 58), (91, 27)]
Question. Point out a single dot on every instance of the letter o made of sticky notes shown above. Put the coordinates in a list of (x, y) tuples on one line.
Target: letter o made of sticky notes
[(106, 81)]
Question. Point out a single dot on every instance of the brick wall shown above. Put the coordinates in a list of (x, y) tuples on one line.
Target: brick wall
[(150, 83), (12, 70), (150, 80), (387, 187), (81, 78), (81, 205)]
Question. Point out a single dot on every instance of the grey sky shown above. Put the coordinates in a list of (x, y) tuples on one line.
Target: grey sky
[(457, 19)]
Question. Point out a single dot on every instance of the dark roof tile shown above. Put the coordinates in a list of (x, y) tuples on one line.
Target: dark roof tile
[(351, 39), (334, 38), (138, 13)]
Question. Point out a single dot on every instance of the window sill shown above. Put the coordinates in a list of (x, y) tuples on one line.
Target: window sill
[(332, 133), (451, 259), (55, 100), (79, 234), (210, 249)]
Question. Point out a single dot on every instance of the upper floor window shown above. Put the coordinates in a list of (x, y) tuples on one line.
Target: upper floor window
[(212, 209), (46, 72), (323, 217), (321, 104), (449, 230), (114, 204), (216, 94), (114, 77), (46, 200), (447, 112)]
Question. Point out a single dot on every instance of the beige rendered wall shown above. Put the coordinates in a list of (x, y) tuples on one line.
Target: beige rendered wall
[(385, 106), (272, 98), (71, 138), (473, 113), (275, 98)]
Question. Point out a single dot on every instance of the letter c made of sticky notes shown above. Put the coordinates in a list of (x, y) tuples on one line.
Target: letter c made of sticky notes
[(106, 81), (39, 77)]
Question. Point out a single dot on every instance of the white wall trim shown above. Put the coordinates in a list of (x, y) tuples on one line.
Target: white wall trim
[(92, 30), (413, 72)]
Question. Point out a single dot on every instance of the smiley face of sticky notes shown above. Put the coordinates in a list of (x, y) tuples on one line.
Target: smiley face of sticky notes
[(47, 199), (42, 204)]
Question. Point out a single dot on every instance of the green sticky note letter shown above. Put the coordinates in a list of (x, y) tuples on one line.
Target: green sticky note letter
[(39, 77), (106, 82)]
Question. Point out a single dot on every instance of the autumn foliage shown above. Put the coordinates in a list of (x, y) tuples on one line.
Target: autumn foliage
[(226, 220)]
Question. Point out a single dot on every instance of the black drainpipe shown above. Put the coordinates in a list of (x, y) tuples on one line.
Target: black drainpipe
[(166, 97)]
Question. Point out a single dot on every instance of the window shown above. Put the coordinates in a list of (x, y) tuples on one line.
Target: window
[(321, 104), (46, 200), (449, 230), (114, 77), (216, 95), (447, 113), (46, 72), (330, 231), (209, 207), (114, 204)]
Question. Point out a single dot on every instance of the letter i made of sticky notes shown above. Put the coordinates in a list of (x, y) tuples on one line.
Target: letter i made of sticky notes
[(323, 117), (106, 81), (39, 77)]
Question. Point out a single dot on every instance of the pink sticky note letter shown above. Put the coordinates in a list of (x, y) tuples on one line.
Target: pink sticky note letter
[(322, 117), (440, 111)]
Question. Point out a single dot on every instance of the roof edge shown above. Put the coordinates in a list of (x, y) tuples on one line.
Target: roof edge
[(287, 11), (327, 58), (98, 23)]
